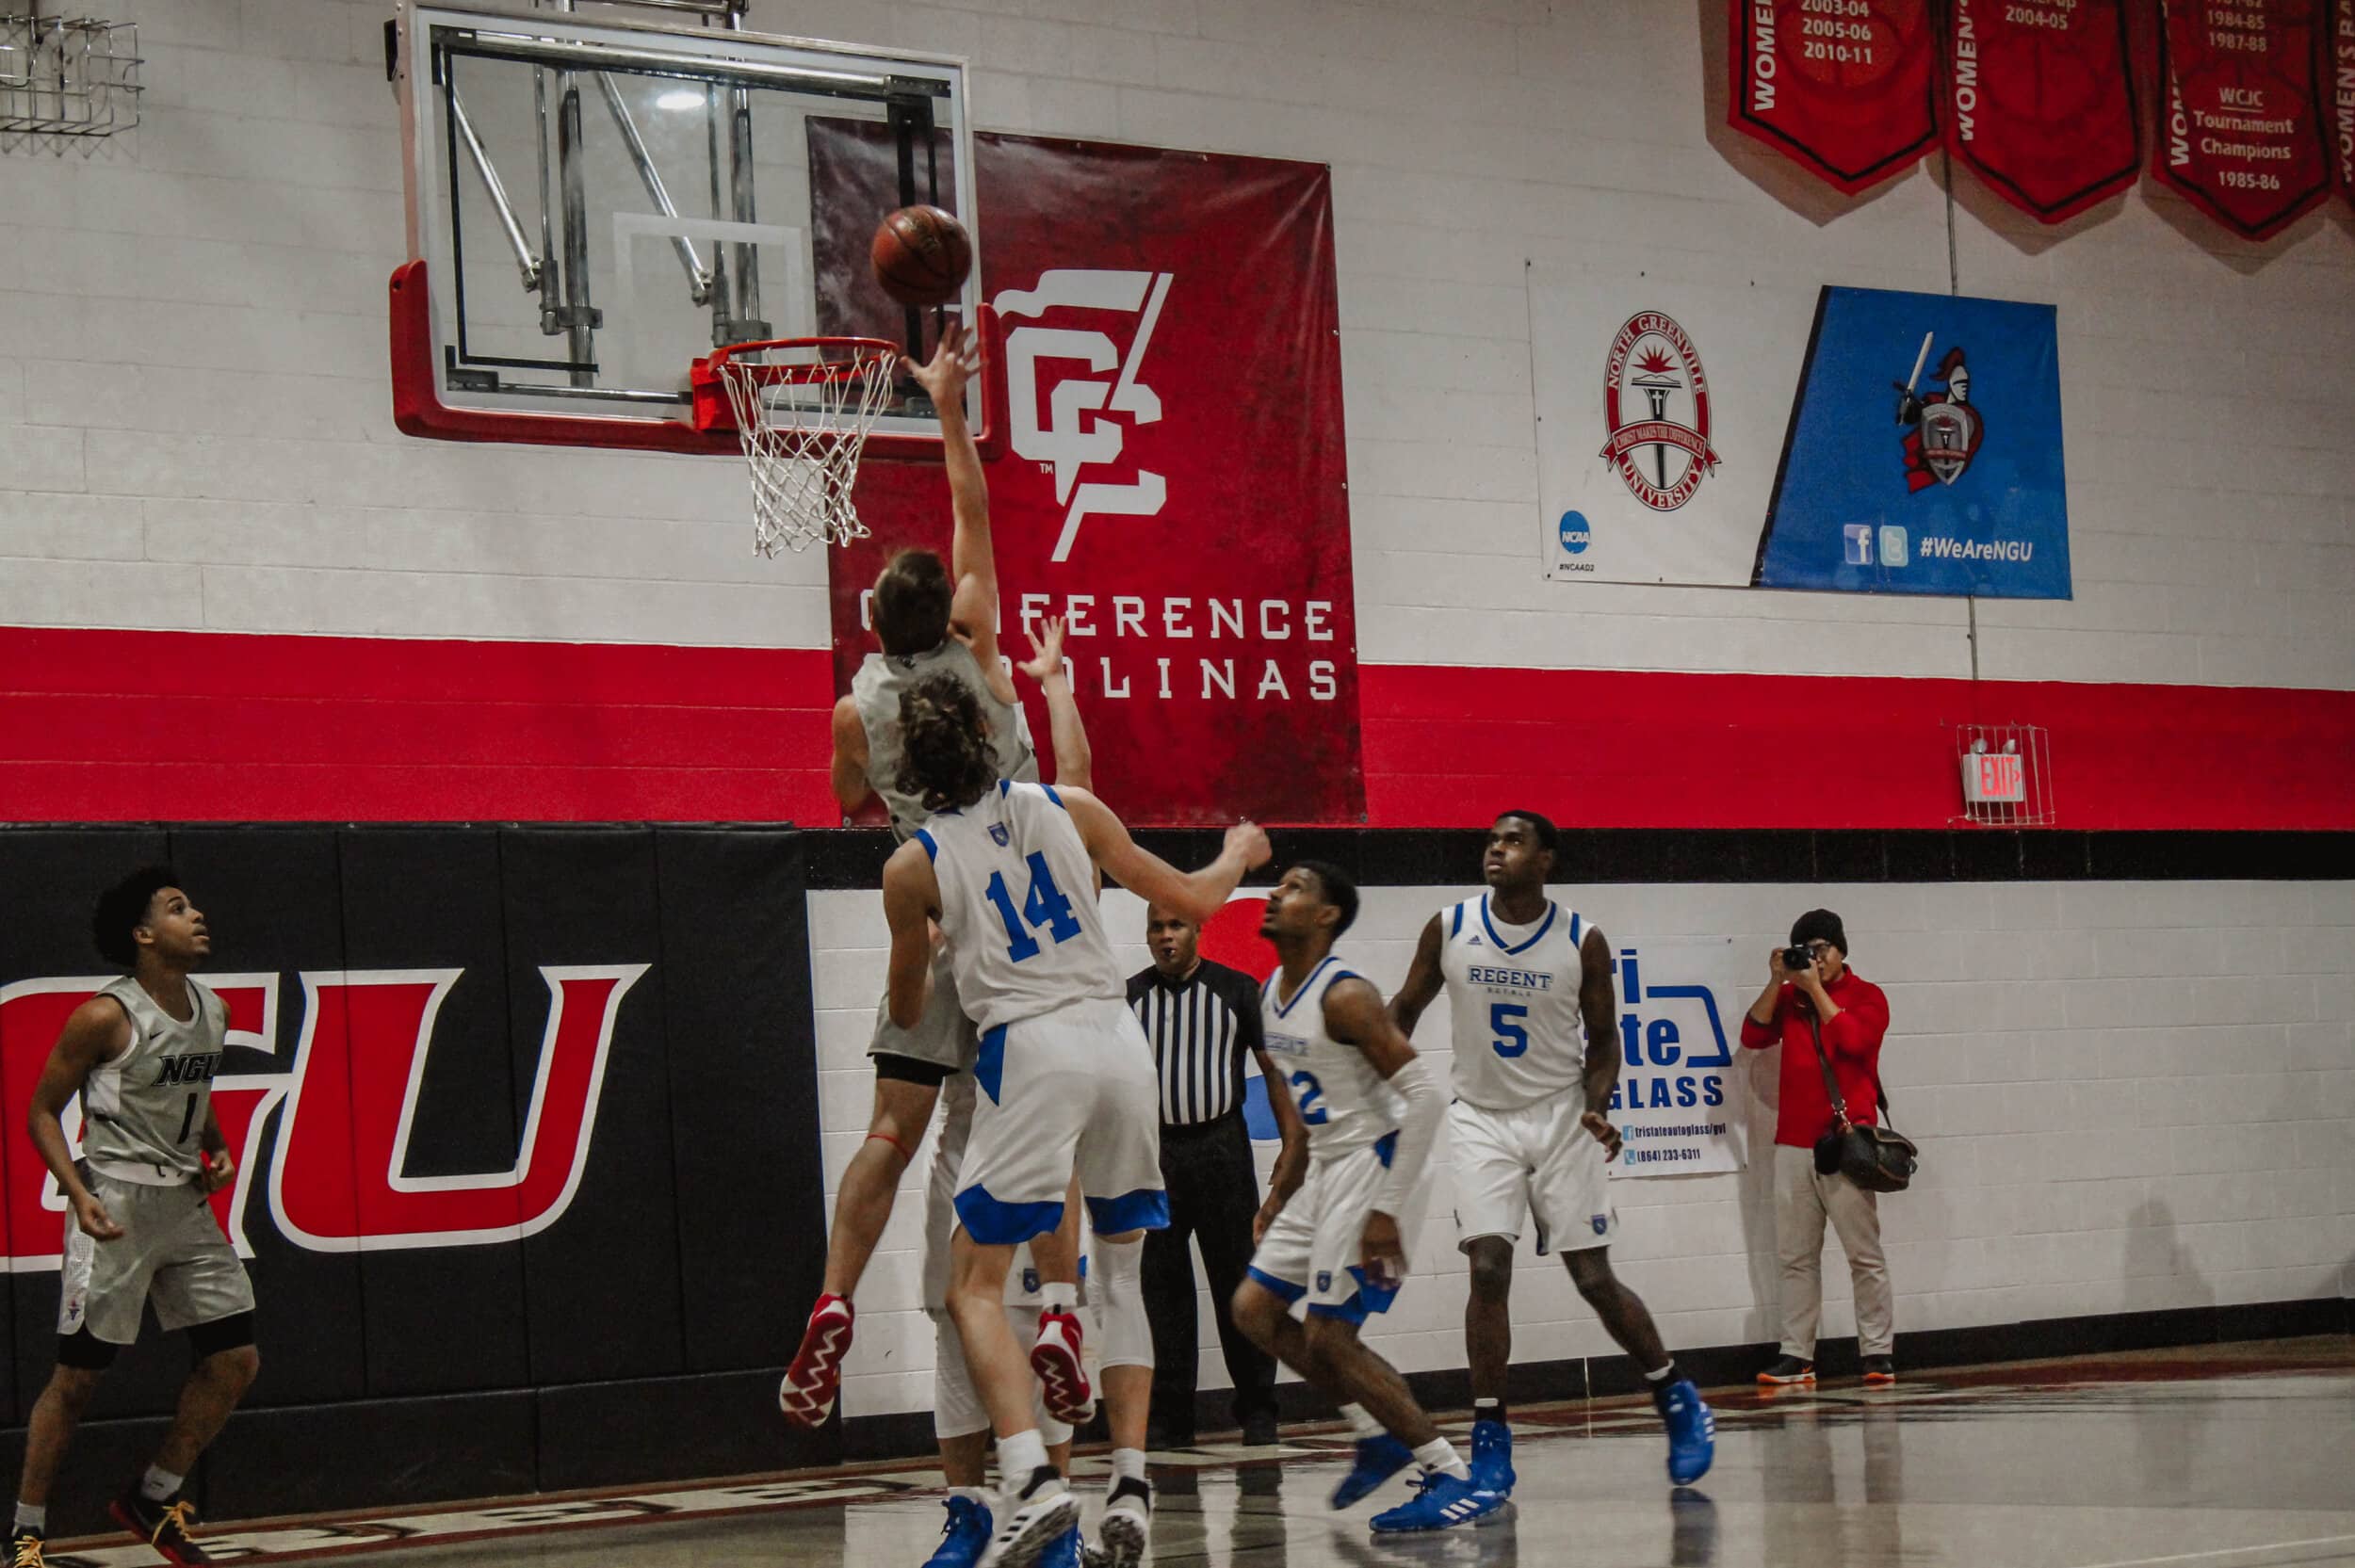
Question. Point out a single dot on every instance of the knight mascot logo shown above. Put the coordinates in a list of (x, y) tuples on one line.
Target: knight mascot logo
[(1947, 428)]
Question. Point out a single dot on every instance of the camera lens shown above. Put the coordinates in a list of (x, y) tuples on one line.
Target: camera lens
[(1797, 958)]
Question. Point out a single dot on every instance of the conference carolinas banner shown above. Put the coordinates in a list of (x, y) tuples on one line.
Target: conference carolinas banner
[(2040, 100), (1170, 327), (2241, 132), (1848, 89), (1921, 452)]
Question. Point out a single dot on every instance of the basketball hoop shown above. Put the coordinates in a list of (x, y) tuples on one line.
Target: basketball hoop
[(803, 408)]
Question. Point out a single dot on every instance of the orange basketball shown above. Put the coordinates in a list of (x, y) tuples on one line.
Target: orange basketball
[(921, 255)]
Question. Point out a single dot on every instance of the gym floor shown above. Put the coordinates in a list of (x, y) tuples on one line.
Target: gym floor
[(2237, 1456)]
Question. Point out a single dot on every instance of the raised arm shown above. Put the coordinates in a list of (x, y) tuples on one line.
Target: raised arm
[(1075, 760), (972, 557), (94, 1033), (911, 899), (1423, 981), (849, 768), (1196, 894)]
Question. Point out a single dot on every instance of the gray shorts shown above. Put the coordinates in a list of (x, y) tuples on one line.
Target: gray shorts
[(171, 1251), (944, 1037)]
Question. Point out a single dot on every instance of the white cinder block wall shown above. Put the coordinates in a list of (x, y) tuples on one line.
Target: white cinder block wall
[(2129, 1096), (194, 426)]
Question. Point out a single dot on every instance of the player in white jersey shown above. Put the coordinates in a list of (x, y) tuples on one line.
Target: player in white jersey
[(932, 619), (1009, 872), (1338, 1234), (1537, 1040), (139, 1230)]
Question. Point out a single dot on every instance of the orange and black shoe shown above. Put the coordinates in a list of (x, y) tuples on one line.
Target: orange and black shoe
[(28, 1548), (164, 1526), (1787, 1372), (1881, 1370)]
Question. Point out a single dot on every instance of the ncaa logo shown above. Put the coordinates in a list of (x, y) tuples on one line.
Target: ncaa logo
[(1029, 1282), (1325, 1279), (998, 835), (1601, 1223), (1576, 536)]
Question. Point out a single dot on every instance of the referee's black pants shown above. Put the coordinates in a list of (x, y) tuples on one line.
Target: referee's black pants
[(1214, 1194)]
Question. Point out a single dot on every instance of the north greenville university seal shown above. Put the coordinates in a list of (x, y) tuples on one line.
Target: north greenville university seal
[(1655, 402)]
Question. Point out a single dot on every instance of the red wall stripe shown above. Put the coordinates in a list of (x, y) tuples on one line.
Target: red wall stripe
[(99, 726)]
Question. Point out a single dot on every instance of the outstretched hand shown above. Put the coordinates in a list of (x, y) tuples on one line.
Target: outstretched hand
[(952, 363), (1046, 649)]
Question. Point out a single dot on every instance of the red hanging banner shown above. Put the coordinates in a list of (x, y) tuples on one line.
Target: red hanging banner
[(1175, 486), (2241, 129), (2040, 100), (2339, 64), (1847, 87)]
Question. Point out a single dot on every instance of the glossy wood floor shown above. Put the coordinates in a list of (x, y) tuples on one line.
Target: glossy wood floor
[(2228, 1457)]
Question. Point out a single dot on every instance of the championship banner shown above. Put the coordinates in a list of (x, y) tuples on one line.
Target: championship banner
[(2339, 53), (1846, 88), (1176, 480), (1963, 492), (1680, 1005), (2242, 127), (2040, 100)]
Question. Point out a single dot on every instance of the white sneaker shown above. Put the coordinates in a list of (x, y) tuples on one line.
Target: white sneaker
[(1024, 1532), (1128, 1527)]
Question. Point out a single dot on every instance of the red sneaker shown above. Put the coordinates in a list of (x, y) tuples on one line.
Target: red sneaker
[(1056, 1360), (807, 1394)]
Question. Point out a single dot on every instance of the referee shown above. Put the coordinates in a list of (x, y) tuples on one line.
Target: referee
[(1202, 1017)]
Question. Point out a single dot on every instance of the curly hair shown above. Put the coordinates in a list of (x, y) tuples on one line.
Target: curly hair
[(123, 910), (948, 760)]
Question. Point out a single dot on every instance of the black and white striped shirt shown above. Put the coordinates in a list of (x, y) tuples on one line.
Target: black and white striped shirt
[(1200, 1027)]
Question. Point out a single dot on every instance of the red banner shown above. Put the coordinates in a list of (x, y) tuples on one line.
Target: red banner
[(2339, 64), (1176, 479), (1847, 87), (2040, 100), (2241, 128)]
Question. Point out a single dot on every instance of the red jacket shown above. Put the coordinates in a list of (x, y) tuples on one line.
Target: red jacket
[(1852, 1040)]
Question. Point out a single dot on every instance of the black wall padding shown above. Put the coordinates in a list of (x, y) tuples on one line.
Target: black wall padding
[(636, 1330)]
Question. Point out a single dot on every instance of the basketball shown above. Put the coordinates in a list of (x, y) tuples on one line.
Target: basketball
[(921, 255)]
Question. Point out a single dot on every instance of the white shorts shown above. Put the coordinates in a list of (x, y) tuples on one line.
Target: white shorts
[(171, 1254), (1023, 1283), (957, 1408), (1313, 1248), (1511, 1163), (943, 1037), (1072, 1089)]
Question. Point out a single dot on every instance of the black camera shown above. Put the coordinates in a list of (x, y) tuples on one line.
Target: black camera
[(1795, 958)]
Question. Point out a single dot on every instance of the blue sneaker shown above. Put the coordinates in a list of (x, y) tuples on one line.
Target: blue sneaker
[(1692, 1433), (965, 1535), (1064, 1551), (1441, 1502), (1492, 1457), (1378, 1459)]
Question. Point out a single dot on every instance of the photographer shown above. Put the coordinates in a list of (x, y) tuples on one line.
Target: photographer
[(1810, 988)]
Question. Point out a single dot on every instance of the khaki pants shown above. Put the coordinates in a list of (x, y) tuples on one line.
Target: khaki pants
[(1803, 1201)]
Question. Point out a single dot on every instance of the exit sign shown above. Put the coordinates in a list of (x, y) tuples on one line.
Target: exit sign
[(1993, 778)]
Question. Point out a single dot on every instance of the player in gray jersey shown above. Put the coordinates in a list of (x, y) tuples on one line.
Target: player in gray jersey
[(141, 1054), (931, 619)]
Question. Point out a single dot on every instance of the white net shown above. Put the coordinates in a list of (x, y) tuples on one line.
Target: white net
[(804, 411)]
